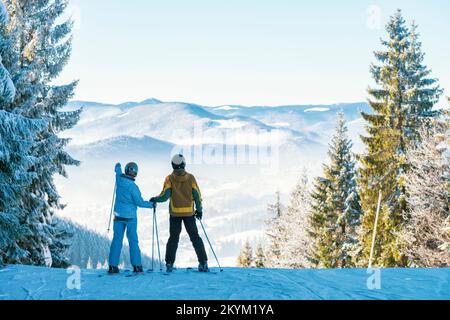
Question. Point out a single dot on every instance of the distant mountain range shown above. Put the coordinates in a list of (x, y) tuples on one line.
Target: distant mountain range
[(235, 195), (173, 121)]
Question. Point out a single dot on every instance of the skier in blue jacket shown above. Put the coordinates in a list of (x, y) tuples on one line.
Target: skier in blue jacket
[(128, 199)]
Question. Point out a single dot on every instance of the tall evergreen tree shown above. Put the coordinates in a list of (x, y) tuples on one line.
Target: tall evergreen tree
[(260, 257), (294, 221), (317, 221), (37, 49), (277, 232), (277, 207), (427, 230), (7, 89), (289, 243), (403, 97), (336, 210), (245, 259), (17, 135)]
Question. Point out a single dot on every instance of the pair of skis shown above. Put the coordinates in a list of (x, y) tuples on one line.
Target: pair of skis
[(165, 273), (189, 269)]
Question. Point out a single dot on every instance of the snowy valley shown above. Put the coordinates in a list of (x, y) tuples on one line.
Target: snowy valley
[(236, 189)]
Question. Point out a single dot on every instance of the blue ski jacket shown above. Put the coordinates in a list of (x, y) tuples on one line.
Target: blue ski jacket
[(128, 196)]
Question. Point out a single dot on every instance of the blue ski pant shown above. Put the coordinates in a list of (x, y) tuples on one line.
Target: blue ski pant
[(120, 226)]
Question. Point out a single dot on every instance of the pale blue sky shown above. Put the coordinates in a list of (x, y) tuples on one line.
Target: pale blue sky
[(249, 52)]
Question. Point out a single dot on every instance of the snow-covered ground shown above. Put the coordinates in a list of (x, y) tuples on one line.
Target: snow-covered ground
[(25, 282)]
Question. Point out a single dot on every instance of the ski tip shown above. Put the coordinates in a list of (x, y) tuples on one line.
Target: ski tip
[(131, 275)]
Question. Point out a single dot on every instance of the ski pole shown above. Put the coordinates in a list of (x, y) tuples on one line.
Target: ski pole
[(112, 205), (375, 230), (157, 237), (210, 245), (153, 239)]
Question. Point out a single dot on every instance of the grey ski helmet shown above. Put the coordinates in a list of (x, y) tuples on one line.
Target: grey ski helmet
[(131, 169), (178, 162)]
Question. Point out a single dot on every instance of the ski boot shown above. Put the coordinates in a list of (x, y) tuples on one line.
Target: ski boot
[(203, 267), (138, 270), (113, 270), (169, 267)]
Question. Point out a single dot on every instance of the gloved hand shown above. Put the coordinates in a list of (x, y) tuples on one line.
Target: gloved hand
[(153, 200), (198, 214), (118, 165)]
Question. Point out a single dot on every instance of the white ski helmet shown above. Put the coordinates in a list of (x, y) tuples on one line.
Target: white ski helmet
[(178, 161)]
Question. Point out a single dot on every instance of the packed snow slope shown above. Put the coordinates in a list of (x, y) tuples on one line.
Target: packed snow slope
[(24, 282)]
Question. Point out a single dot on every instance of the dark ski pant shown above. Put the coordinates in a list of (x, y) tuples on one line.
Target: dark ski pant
[(191, 228)]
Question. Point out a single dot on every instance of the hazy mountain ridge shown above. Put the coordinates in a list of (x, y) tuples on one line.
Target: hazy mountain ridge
[(119, 145)]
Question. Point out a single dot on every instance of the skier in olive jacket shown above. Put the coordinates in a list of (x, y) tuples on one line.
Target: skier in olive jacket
[(182, 190)]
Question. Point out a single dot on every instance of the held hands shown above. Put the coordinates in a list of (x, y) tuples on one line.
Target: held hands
[(153, 201), (198, 214)]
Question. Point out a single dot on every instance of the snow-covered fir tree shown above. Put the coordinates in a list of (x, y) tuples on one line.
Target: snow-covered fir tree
[(317, 220), (260, 257), (7, 89), (37, 48), (292, 239), (335, 207), (295, 253), (245, 259), (404, 96), (89, 264), (276, 208), (17, 135), (427, 230), (276, 232)]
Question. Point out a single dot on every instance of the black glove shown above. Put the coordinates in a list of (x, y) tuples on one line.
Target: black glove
[(153, 200), (198, 214)]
